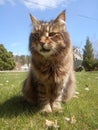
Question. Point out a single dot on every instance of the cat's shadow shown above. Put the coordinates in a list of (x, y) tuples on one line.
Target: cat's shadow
[(16, 106)]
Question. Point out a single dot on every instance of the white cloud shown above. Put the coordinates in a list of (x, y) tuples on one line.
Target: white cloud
[(44, 4), (39, 4), (2, 2), (12, 2)]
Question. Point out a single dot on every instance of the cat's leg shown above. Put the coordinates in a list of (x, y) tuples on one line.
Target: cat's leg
[(43, 99), (69, 89), (56, 100), (28, 90), (56, 105)]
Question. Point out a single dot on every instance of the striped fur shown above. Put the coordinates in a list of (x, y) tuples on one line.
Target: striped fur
[(51, 77)]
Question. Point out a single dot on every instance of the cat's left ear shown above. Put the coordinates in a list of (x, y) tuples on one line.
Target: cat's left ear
[(61, 18), (34, 20)]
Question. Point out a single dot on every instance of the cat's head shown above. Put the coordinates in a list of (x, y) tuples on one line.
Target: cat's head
[(47, 37)]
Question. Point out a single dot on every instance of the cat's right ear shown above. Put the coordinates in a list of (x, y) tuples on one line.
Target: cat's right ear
[(35, 21), (61, 18)]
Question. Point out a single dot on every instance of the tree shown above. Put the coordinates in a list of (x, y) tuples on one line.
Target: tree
[(88, 56), (6, 59), (22, 59)]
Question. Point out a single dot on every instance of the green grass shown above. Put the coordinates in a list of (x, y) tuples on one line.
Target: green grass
[(16, 114)]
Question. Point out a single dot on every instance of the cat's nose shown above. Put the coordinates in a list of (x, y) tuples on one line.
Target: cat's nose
[(42, 39)]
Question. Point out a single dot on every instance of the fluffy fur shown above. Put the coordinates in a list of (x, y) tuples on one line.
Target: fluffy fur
[(51, 77)]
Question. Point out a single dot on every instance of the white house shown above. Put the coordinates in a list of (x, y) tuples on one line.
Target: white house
[(78, 57), (25, 67)]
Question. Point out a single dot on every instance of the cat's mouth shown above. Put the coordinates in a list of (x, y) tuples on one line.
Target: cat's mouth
[(44, 50)]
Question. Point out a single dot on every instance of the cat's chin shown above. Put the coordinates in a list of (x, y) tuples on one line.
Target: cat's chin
[(45, 50), (46, 53)]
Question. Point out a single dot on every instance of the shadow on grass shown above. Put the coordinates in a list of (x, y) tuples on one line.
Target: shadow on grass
[(16, 106)]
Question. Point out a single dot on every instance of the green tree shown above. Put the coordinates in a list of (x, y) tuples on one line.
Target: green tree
[(6, 59), (88, 56)]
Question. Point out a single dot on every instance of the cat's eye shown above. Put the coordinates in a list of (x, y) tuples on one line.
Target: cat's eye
[(52, 34), (36, 34)]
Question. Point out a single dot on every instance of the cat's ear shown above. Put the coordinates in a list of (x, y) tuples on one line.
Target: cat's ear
[(61, 18), (34, 20)]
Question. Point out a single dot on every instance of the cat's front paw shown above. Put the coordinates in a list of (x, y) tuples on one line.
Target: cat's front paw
[(56, 106), (46, 109)]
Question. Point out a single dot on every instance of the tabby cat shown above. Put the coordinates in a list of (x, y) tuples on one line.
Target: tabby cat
[(51, 77)]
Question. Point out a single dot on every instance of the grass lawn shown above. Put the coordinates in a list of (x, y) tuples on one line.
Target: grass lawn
[(81, 113)]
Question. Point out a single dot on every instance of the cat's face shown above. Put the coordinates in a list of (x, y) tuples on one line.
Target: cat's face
[(46, 37)]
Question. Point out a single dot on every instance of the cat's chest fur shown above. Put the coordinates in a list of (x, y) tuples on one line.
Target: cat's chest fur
[(50, 72)]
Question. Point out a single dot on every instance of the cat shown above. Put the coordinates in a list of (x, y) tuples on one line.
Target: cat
[(51, 77)]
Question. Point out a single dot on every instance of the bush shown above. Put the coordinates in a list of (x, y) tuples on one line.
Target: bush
[(95, 66), (6, 59), (79, 68)]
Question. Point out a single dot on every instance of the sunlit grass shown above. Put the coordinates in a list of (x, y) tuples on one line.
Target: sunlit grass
[(16, 114)]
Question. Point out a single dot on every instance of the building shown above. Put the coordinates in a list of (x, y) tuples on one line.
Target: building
[(78, 57)]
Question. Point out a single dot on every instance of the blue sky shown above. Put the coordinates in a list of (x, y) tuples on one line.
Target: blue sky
[(15, 23)]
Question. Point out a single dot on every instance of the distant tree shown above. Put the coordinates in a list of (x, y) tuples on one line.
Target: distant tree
[(88, 56), (28, 59), (16, 58), (96, 65), (6, 59), (22, 59)]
